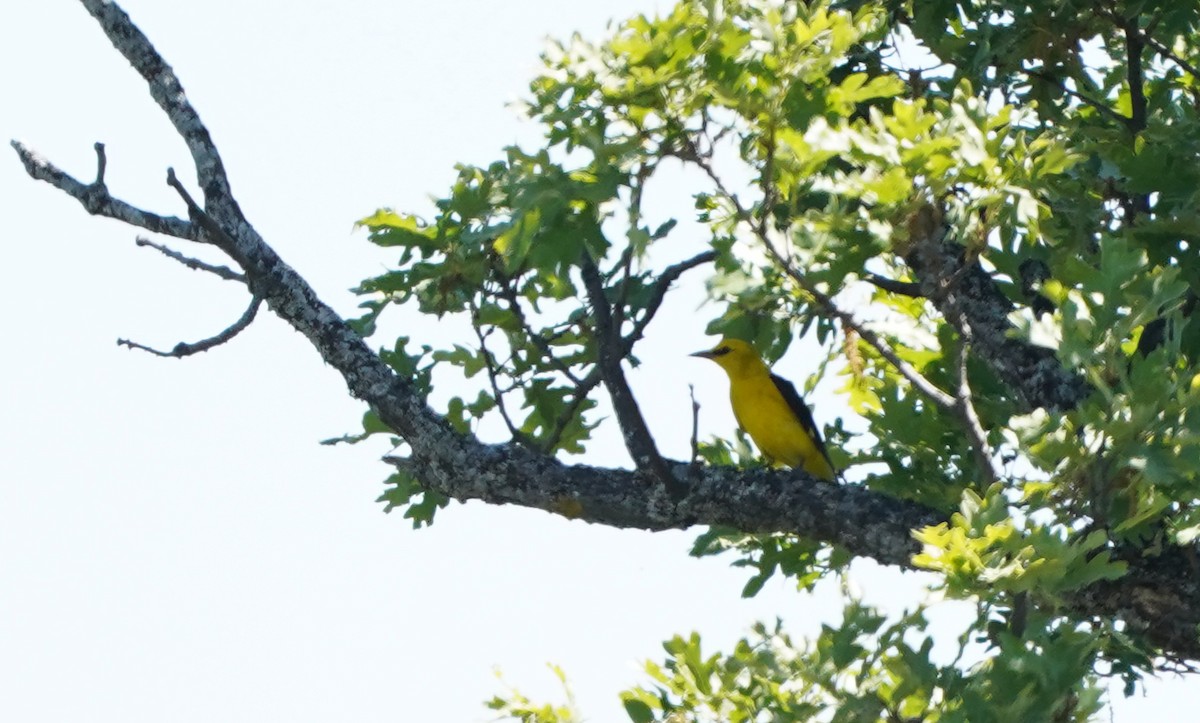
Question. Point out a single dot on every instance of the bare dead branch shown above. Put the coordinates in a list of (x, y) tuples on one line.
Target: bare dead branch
[(223, 272), (101, 163), (218, 236), (96, 200), (168, 92), (183, 348)]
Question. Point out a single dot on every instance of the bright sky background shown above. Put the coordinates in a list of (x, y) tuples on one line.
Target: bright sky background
[(174, 544)]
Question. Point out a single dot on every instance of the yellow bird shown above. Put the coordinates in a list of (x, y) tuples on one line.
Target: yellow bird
[(770, 410)]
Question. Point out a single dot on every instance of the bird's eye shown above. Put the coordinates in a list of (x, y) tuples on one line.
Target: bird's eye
[(721, 350)]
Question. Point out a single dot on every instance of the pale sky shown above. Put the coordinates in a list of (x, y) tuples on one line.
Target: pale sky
[(174, 544)]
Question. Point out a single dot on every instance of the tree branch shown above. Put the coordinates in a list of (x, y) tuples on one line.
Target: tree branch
[(1033, 373), (902, 288), (183, 348), (609, 352), (493, 376), (967, 413), (195, 264), (167, 91), (757, 500), (1152, 598), (95, 198), (661, 285), (584, 386), (1097, 105), (514, 304)]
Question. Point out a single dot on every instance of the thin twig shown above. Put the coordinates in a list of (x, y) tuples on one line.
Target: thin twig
[(582, 390), (661, 285), (769, 189), (489, 363), (514, 304), (222, 271), (220, 238), (1082, 97), (1166, 52), (966, 409), (695, 425), (183, 348), (636, 192)]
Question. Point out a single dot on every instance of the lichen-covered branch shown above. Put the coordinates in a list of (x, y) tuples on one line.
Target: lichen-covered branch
[(96, 199)]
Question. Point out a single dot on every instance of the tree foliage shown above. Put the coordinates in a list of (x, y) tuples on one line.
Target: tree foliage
[(984, 211), (1051, 148)]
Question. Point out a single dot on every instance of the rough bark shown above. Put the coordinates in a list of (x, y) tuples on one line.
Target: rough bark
[(961, 290)]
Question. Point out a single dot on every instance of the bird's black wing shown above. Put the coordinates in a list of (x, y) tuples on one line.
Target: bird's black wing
[(800, 409)]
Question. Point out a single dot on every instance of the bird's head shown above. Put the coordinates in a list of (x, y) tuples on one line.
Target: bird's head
[(735, 356)]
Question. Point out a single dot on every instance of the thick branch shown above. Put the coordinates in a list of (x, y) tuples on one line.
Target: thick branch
[(962, 290), (756, 500), (1153, 598), (1137, 86), (167, 91)]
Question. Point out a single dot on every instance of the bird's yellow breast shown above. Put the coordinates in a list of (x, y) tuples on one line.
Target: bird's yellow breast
[(765, 415)]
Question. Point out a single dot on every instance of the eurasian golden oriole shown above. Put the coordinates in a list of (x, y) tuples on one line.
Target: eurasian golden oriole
[(770, 410)]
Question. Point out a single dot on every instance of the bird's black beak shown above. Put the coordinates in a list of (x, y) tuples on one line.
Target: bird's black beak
[(706, 354)]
